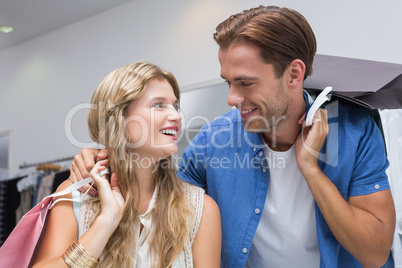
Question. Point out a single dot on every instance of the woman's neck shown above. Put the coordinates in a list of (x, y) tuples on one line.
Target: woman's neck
[(146, 180), (146, 187)]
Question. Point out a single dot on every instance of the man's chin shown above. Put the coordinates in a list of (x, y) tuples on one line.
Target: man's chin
[(255, 128)]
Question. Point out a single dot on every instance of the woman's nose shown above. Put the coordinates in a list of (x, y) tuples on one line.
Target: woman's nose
[(174, 114)]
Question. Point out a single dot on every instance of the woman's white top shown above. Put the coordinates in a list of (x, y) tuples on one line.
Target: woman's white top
[(141, 256)]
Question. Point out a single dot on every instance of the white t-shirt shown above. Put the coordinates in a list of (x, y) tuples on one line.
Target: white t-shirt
[(286, 235)]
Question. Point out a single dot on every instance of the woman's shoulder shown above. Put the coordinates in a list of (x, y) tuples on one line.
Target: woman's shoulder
[(198, 193), (64, 185), (195, 197), (207, 242), (210, 205), (202, 204), (211, 213), (192, 189)]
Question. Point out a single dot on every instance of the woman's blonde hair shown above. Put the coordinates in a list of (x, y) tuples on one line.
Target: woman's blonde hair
[(106, 123)]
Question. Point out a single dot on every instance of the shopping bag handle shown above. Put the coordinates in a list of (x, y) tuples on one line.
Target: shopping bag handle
[(323, 97), (70, 189)]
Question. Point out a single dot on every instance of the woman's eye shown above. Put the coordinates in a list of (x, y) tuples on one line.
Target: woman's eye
[(157, 105), (177, 107)]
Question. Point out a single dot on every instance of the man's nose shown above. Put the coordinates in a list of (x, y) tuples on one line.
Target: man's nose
[(234, 97)]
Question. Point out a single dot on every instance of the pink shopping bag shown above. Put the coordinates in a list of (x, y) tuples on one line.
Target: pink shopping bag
[(19, 249)]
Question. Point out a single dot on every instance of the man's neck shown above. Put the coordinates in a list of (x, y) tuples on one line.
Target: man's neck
[(284, 136), (280, 143)]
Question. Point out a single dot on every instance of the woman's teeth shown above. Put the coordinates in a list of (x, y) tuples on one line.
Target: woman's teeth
[(168, 132)]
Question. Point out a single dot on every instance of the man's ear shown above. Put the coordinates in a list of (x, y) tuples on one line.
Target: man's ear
[(296, 70)]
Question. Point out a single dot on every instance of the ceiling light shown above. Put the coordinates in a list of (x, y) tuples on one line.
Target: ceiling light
[(6, 29)]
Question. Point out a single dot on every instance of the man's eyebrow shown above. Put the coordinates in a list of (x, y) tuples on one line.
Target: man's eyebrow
[(239, 78)]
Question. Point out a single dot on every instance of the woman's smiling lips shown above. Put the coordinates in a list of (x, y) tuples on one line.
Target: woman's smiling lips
[(170, 131)]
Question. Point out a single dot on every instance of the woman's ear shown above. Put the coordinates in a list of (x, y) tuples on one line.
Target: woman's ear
[(296, 70)]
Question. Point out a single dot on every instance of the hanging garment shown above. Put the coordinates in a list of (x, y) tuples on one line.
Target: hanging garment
[(9, 202), (59, 177), (26, 187), (45, 187), (391, 120), (25, 203)]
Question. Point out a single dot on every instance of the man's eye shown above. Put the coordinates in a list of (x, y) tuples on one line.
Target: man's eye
[(246, 84)]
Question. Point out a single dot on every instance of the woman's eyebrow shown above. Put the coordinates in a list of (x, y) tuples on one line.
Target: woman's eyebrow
[(162, 99), (158, 99)]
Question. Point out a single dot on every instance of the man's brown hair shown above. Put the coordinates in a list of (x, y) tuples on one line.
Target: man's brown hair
[(281, 34)]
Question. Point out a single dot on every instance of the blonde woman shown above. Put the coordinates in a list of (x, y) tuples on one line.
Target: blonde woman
[(144, 216)]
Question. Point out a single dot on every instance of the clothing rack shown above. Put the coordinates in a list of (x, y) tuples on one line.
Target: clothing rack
[(25, 165)]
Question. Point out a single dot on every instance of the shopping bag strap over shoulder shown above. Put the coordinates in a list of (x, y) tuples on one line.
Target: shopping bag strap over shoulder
[(70, 189)]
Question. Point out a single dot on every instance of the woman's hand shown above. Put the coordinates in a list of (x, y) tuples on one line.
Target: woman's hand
[(112, 200), (83, 164)]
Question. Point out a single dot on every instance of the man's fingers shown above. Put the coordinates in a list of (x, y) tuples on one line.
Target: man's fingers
[(75, 174), (81, 166), (101, 155), (88, 157), (301, 119), (321, 117)]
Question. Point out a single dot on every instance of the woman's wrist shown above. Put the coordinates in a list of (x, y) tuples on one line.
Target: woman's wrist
[(108, 222)]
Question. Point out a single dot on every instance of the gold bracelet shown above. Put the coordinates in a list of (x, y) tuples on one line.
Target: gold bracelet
[(87, 256), (77, 256)]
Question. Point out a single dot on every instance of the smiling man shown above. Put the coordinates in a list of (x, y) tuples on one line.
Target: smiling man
[(289, 195), (311, 211)]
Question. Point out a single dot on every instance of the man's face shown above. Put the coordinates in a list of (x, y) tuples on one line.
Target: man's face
[(253, 88)]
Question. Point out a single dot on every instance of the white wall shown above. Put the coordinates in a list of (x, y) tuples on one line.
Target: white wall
[(41, 80)]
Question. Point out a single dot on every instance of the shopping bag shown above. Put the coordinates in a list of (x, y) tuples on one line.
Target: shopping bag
[(21, 245), (366, 83)]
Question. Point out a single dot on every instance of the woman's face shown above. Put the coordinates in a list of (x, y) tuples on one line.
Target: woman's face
[(154, 123)]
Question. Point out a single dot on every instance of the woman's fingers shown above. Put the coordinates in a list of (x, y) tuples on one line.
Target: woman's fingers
[(95, 172), (114, 184), (112, 201), (81, 167)]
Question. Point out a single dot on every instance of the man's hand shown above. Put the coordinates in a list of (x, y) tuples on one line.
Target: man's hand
[(310, 141), (364, 224), (83, 164)]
